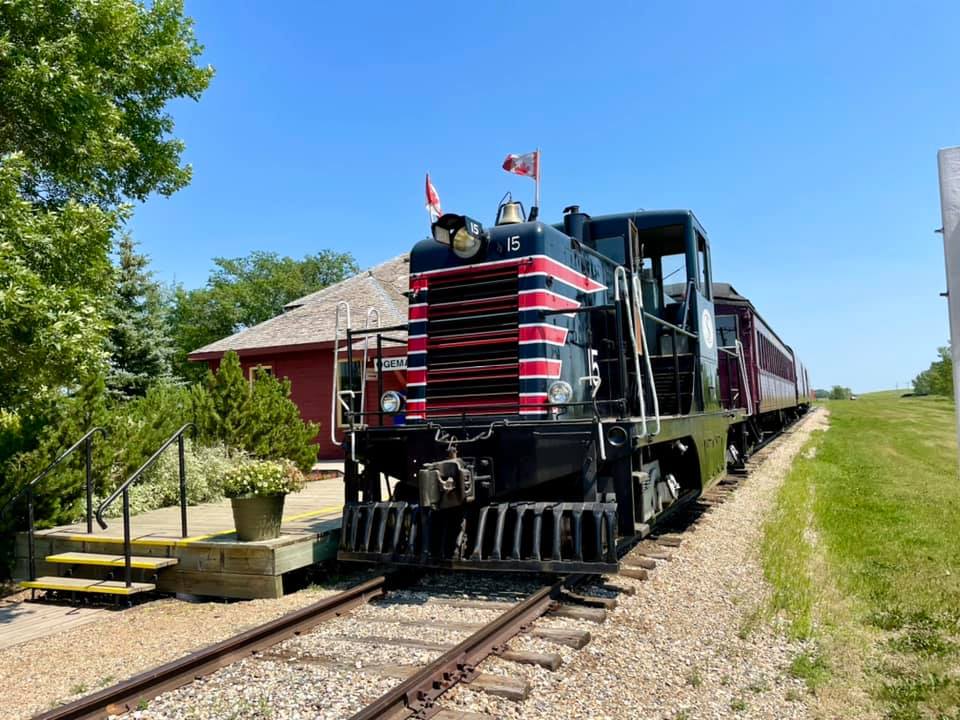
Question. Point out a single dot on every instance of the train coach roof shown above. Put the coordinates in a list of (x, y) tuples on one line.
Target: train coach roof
[(726, 294), (722, 292)]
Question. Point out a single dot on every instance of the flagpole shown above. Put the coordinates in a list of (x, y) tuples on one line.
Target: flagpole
[(537, 192)]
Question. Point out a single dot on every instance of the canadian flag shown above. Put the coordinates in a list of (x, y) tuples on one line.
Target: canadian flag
[(527, 165), (433, 201)]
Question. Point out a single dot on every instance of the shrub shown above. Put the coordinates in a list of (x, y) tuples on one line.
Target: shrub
[(206, 469), (263, 477), (258, 417)]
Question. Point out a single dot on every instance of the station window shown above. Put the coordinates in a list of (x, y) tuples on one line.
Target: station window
[(253, 370)]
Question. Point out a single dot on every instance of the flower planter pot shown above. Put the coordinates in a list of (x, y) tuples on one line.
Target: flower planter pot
[(257, 517)]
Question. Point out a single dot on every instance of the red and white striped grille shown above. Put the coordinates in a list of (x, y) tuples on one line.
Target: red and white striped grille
[(472, 343)]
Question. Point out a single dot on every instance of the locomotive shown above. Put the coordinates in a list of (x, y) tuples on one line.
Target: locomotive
[(567, 387)]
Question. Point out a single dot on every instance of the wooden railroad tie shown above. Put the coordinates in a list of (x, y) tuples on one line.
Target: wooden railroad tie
[(551, 661), (573, 612), (639, 561), (571, 637), (634, 572), (499, 685)]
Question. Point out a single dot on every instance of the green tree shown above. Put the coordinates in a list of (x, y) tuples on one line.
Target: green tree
[(938, 378), (138, 343), (55, 276), (85, 86), (838, 392), (59, 496), (242, 292), (258, 417), (83, 91)]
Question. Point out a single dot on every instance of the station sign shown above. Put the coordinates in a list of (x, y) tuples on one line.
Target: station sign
[(390, 364)]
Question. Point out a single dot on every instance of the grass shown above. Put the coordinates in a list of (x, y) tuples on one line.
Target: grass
[(863, 556)]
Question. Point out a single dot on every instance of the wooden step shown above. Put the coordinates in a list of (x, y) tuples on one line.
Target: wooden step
[(71, 584), (140, 562)]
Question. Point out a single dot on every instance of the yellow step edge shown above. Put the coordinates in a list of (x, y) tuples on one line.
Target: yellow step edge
[(178, 542), (104, 560), (109, 587)]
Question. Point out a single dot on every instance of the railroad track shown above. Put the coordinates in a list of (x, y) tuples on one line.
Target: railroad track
[(303, 640)]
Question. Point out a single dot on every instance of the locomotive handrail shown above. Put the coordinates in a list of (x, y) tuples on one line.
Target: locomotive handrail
[(638, 301), (618, 273), (687, 292), (336, 396), (372, 312), (670, 325)]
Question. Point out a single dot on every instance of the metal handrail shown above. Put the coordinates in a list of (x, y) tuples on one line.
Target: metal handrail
[(670, 325), (87, 442), (335, 395), (645, 346), (372, 315), (620, 273), (124, 490)]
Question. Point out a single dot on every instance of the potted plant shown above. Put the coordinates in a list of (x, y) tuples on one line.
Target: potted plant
[(256, 490)]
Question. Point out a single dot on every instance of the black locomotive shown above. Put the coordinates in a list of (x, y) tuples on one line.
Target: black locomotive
[(566, 388)]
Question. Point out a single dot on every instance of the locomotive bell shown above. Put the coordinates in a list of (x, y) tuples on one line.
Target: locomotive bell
[(511, 213)]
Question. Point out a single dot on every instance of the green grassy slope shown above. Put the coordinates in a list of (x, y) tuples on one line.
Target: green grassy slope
[(863, 553)]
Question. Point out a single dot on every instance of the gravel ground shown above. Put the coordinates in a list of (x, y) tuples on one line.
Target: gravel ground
[(53, 669), (690, 643)]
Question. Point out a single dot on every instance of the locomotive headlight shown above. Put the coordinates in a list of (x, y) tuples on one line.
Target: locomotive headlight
[(559, 393), (391, 401), (465, 245), (463, 234)]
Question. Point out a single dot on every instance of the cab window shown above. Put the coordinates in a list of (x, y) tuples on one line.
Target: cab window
[(703, 266)]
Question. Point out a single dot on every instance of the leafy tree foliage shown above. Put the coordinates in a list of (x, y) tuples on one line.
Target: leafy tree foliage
[(85, 86), (138, 343), (838, 392), (938, 378), (83, 91), (55, 274), (242, 292), (258, 417)]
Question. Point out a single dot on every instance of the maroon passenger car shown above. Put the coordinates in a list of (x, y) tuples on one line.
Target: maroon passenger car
[(777, 385)]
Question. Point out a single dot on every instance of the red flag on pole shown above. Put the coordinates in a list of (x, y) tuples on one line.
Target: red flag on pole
[(433, 201), (527, 165)]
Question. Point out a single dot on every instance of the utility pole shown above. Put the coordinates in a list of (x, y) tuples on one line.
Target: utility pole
[(948, 160)]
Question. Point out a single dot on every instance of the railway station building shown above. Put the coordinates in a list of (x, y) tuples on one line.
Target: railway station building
[(299, 344)]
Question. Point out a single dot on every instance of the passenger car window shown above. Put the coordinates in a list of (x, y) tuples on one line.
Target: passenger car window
[(726, 330)]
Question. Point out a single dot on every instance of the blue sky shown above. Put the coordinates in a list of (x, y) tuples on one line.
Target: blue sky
[(803, 137)]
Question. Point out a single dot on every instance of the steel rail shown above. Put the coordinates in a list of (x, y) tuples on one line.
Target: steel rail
[(125, 696), (419, 693)]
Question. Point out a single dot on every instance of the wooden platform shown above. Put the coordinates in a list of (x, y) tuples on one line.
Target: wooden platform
[(211, 560), (21, 621)]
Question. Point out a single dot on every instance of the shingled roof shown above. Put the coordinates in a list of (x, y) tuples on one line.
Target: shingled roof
[(310, 320)]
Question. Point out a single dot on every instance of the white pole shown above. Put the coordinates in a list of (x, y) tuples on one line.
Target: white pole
[(948, 160)]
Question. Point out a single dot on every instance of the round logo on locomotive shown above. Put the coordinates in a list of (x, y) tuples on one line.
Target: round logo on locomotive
[(706, 327)]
